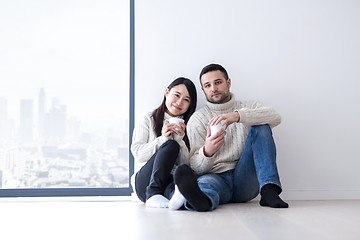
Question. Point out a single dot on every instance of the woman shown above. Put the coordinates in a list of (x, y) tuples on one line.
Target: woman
[(161, 146)]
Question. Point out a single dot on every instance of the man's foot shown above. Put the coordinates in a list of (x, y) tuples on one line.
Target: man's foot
[(270, 197), (157, 201), (188, 187), (177, 200)]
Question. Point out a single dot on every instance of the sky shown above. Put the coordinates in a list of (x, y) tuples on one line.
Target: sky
[(77, 50)]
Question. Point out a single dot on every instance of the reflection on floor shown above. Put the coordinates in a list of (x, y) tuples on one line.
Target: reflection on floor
[(125, 219)]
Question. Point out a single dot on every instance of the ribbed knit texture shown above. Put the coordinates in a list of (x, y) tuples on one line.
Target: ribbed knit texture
[(145, 143), (251, 113)]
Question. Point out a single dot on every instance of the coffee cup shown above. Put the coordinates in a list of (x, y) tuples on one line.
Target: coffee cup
[(177, 121), (216, 128)]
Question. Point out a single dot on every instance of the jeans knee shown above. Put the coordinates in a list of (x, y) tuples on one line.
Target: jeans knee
[(261, 130)]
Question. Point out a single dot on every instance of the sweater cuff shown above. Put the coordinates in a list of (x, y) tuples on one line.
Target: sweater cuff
[(207, 162), (177, 137), (163, 139), (202, 154), (242, 114)]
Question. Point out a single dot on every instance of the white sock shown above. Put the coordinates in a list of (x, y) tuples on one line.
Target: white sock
[(177, 200), (157, 201)]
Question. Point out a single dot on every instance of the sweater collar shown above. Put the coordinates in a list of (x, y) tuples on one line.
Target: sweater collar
[(167, 116), (218, 107)]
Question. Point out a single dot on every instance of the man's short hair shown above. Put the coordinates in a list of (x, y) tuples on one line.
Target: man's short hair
[(214, 67)]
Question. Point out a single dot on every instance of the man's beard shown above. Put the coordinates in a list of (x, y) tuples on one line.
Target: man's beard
[(224, 96)]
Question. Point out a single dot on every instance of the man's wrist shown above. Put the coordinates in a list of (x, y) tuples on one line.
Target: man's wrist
[(206, 154), (237, 114)]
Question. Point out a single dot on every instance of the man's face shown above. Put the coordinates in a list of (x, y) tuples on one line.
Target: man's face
[(216, 87)]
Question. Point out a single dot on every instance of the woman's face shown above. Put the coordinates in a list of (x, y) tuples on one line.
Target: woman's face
[(177, 100)]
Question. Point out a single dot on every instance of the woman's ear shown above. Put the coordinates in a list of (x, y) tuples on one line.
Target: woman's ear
[(166, 92)]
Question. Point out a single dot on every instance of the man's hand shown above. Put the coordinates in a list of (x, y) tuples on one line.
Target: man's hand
[(213, 143), (227, 118)]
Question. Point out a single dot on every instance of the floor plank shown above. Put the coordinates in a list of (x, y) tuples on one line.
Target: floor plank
[(132, 220)]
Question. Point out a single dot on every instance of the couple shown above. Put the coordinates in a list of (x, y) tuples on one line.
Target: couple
[(198, 169)]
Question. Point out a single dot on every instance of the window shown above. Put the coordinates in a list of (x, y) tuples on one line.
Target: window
[(66, 108)]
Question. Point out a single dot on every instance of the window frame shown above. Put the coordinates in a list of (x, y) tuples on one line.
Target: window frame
[(74, 192)]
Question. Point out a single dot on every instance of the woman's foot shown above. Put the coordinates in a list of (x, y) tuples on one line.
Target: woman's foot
[(157, 201)]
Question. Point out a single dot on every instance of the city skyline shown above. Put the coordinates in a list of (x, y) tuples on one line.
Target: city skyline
[(47, 112), (93, 117), (47, 148)]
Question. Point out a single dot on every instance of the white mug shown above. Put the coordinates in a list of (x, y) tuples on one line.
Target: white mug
[(216, 128), (175, 120)]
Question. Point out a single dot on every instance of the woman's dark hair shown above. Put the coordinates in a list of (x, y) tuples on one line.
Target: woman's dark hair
[(158, 114)]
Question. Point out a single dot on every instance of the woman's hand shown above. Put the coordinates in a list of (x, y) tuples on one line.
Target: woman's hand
[(179, 130), (167, 129)]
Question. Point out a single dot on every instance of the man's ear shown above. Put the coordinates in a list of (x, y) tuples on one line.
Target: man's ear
[(229, 82), (202, 87)]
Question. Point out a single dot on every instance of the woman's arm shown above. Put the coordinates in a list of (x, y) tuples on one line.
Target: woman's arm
[(144, 142)]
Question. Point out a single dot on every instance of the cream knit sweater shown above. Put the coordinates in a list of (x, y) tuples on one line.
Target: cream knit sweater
[(145, 143), (251, 113)]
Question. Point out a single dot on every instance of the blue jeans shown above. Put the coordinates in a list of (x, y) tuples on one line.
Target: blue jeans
[(255, 168)]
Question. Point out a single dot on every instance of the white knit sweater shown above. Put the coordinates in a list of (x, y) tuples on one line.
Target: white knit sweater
[(251, 113), (145, 143)]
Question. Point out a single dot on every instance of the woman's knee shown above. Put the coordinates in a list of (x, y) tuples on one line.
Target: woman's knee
[(171, 144)]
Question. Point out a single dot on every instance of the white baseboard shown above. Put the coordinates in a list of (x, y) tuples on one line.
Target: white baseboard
[(321, 195)]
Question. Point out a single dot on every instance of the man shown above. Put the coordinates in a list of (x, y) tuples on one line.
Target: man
[(235, 164)]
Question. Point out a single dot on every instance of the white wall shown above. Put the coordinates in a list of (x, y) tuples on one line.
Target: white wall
[(300, 57)]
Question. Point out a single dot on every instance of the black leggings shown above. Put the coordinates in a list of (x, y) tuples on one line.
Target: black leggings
[(155, 176)]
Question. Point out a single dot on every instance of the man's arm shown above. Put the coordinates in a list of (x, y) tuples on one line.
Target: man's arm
[(225, 119), (254, 113), (250, 115), (201, 145)]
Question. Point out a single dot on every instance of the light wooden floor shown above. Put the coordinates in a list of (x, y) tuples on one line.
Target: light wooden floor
[(123, 219)]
